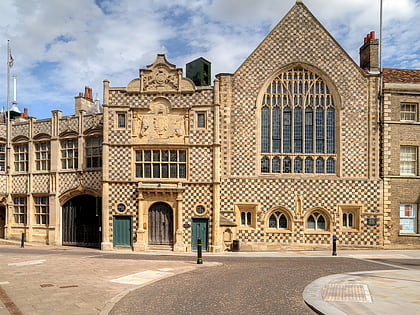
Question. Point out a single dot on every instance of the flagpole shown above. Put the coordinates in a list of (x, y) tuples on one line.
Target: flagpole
[(8, 110)]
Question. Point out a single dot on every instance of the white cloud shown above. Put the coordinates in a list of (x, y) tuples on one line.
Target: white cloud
[(61, 46)]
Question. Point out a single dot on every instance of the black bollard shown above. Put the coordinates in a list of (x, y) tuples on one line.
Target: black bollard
[(199, 252), (22, 241), (334, 252)]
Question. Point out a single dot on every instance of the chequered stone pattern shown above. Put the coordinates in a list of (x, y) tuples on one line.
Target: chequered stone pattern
[(122, 193), (20, 129), (120, 163), (282, 238), (137, 100), (93, 122), (285, 45), (68, 123), (93, 180), (3, 131), (20, 184), (119, 136), (42, 127), (68, 181), (3, 184), (201, 164), (325, 194), (202, 136), (193, 196), (40, 183)]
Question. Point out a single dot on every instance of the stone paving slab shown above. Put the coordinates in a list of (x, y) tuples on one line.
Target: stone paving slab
[(74, 284)]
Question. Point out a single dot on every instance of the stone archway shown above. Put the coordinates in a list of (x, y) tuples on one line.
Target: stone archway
[(81, 221), (161, 224)]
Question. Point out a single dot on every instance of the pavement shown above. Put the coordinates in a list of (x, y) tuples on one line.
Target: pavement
[(51, 279)]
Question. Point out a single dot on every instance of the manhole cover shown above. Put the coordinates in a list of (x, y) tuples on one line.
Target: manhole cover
[(346, 292)]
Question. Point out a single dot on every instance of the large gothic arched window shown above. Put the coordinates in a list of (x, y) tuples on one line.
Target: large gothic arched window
[(298, 124)]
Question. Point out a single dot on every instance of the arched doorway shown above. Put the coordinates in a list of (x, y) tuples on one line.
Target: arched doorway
[(2, 221), (82, 221), (161, 228)]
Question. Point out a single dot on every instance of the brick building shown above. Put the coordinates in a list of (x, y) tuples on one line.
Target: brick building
[(292, 148)]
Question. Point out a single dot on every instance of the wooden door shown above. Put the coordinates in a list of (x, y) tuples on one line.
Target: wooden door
[(161, 230), (2, 221), (199, 231), (123, 230), (81, 221)]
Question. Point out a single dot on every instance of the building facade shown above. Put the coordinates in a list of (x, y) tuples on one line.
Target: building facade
[(291, 149)]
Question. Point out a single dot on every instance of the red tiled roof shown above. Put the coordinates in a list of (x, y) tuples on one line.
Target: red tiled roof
[(401, 75)]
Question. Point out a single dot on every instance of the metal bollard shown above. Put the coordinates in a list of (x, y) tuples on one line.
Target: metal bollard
[(22, 241), (334, 251), (199, 252)]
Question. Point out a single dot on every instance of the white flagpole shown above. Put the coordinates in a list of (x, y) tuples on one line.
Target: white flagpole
[(8, 109)]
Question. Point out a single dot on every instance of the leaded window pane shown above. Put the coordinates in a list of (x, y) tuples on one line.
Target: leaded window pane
[(330, 130), (320, 223), (272, 222), (298, 165), (320, 165), (287, 165), (265, 130), (319, 130), (298, 130), (276, 165), (282, 222), (330, 166), (310, 224), (309, 165), (287, 130), (309, 130), (265, 165), (276, 130)]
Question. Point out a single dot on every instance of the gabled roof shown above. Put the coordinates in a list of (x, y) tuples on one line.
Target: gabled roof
[(401, 75)]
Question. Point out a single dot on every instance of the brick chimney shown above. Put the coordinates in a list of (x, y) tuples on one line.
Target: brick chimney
[(83, 101), (369, 53)]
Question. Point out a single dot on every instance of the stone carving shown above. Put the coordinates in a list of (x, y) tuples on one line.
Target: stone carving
[(160, 79), (159, 123)]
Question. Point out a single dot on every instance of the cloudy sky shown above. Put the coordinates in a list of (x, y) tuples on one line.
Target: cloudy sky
[(59, 46)]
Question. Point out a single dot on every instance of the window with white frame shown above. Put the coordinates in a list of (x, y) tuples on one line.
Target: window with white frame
[(2, 157), (69, 154), (19, 210), (408, 160), (408, 218), (316, 221), (298, 124), (21, 157), (161, 163), (278, 220), (41, 210), (246, 218), (42, 156), (93, 152), (201, 120), (408, 111), (350, 216), (121, 120)]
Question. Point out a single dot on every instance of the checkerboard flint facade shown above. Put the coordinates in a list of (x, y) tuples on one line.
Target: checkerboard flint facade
[(206, 179)]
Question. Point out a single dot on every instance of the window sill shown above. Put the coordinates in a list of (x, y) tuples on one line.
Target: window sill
[(350, 230), (285, 231), (317, 232), (409, 234), (247, 228)]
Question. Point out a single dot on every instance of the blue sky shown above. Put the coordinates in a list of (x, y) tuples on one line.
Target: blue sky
[(60, 46)]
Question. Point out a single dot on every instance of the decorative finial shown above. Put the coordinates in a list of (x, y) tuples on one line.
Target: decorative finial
[(299, 2)]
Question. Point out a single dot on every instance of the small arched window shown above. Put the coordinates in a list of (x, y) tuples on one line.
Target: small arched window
[(278, 220), (298, 124), (316, 221)]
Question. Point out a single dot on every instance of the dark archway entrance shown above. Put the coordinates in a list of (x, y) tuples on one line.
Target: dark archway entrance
[(82, 221), (161, 228), (2, 221)]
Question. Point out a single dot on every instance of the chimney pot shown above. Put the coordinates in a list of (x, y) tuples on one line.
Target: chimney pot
[(372, 35)]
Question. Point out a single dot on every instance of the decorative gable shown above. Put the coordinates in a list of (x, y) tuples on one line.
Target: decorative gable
[(161, 76)]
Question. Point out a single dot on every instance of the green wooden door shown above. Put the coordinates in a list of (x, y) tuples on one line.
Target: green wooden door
[(200, 231), (123, 227)]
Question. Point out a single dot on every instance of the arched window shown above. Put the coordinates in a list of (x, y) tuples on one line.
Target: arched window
[(316, 222), (298, 118), (278, 220)]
